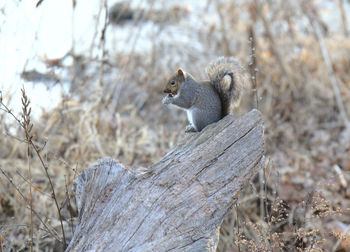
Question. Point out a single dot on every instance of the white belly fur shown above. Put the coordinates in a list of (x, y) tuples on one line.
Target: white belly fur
[(190, 117)]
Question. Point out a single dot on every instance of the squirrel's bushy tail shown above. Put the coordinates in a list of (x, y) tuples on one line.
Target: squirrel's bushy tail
[(230, 91)]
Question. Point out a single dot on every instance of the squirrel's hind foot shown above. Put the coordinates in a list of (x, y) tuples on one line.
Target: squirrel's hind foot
[(190, 128)]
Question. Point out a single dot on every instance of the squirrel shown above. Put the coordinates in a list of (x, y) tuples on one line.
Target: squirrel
[(210, 100)]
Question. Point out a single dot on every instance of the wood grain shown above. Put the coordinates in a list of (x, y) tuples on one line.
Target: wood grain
[(177, 204)]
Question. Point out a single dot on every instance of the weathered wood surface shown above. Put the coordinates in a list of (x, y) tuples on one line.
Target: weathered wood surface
[(179, 204)]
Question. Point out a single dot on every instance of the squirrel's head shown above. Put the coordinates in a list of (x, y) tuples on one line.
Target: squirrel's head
[(174, 83)]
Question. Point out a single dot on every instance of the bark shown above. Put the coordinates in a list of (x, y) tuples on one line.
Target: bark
[(177, 204)]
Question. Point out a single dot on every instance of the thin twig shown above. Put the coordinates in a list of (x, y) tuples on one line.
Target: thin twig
[(102, 43), (72, 50), (95, 32), (237, 222), (33, 184), (12, 136), (48, 229), (270, 37), (343, 17), (325, 54), (345, 233), (52, 190), (69, 204), (340, 174), (114, 94), (39, 3), (253, 65), (27, 127), (267, 213), (225, 41)]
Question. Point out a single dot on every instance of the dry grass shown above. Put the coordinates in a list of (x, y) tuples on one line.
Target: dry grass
[(299, 202)]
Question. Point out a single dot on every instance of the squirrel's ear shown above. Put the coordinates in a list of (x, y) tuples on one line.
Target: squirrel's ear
[(181, 73)]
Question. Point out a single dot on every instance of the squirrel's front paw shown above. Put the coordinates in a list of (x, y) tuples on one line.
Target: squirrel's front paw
[(190, 128), (167, 100)]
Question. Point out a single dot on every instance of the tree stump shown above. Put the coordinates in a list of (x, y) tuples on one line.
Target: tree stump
[(179, 203)]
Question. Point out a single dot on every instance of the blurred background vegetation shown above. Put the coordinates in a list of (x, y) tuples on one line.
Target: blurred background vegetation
[(298, 56)]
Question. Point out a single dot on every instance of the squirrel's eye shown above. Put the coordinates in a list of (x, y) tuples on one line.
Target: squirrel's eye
[(172, 82)]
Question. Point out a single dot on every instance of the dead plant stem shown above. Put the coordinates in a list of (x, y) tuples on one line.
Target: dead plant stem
[(102, 43), (69, 204), (30, 197), (26, 200), (253, 65), (52, 190), (343, 17), (273, 46), (237, 223), (327, 60), (27, 128)]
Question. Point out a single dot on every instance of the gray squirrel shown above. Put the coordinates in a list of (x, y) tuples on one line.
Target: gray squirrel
[(210, 100)]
